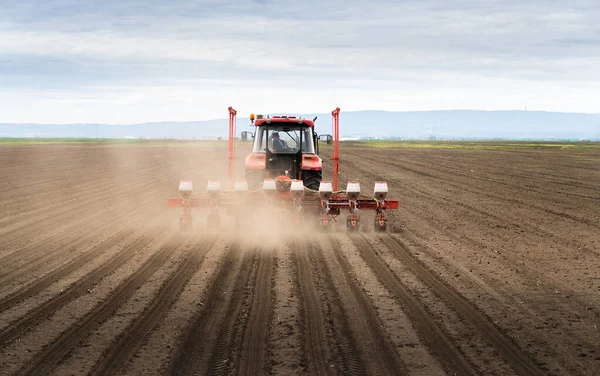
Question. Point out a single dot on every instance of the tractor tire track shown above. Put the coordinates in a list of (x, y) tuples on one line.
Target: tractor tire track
[(215, 321), (44, 362), (512, 354), (440, 345), (342, 342), (286, 329), (130, 339), (252, 359), (226, 353), (313, 317), (20, 326), (375, 350)]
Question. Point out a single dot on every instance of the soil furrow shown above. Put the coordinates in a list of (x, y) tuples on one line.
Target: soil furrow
[(130, 339), (314, 318), (58, 349), (43, 282), (89, 227), (27, 321), (494, 269), (252, 360), (208, 330), (488, 216), (531, 317), (226, 355), (342, 342), (549, 176), (514, 355), (285, 347), (462, 187), (93, 188), (440, 345), (469, 165), (374, 348), (87, 208)]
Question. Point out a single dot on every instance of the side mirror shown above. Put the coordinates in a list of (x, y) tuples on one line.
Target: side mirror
[(244, 135), (328, 138)]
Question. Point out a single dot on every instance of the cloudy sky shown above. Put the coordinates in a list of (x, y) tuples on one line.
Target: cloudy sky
[(66, 61)]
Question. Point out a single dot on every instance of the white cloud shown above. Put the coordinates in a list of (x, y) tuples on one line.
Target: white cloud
[(109, 61)]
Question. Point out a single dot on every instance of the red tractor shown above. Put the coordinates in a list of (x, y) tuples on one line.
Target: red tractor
[(284, 171), (284, 146)]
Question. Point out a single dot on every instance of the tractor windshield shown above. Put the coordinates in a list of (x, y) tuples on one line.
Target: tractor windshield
[(284, 139)]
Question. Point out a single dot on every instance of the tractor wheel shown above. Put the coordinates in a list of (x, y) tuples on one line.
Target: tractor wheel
[(312, 179), (255, 179)]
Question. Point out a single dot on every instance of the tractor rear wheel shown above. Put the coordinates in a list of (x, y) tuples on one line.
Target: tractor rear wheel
[(312, 179)]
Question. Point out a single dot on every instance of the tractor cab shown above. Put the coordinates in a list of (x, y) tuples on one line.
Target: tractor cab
[(284, 146), (284, 139)]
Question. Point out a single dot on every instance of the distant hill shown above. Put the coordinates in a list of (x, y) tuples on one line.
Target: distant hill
[(452, 124)]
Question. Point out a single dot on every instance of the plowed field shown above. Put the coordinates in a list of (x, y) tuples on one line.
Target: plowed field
[(491, 266)]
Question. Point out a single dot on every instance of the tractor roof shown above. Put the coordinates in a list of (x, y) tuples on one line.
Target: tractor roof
[(284, 120)]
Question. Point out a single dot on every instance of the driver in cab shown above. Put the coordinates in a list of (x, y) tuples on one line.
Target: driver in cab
[(279, 145)]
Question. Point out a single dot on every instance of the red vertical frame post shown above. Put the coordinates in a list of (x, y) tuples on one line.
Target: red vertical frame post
[(336, 146), (232, 157)]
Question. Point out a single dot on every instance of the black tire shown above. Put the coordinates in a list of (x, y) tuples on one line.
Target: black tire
[(312, 179)]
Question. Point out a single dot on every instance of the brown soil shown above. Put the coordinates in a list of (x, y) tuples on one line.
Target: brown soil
[(490, 266)]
